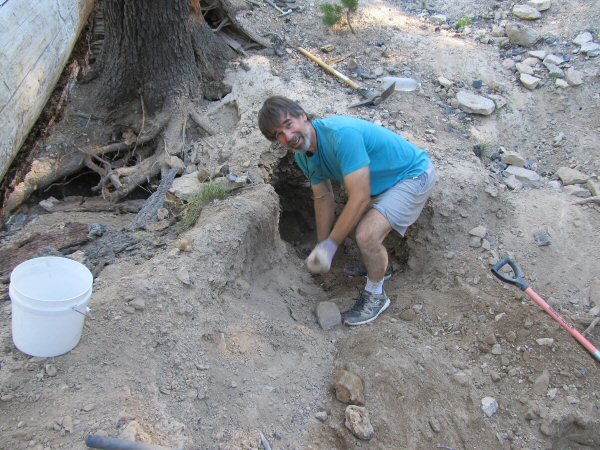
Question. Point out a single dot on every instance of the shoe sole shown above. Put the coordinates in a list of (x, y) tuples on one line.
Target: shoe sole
[(385, 306)]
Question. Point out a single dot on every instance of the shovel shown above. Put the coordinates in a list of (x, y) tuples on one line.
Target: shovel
[(370, 97), (519, 280)]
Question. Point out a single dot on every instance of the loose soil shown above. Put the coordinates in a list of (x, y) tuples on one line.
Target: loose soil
[(210, 347)]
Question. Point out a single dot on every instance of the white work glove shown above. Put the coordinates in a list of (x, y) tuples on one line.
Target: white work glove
[(319, 260)]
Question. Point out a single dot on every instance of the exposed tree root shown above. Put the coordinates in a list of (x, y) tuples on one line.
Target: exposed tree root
[(125, 165)]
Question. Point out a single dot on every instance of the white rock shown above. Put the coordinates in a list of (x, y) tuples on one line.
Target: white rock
[(545, 342), (513, 159), (445, 82), (479, 231), (571, 176), (489, 405), (540, 5), (529, 81), (582, 38), (574, 77), (476, 104), (539, 54), (561, 83), (526, 12), (524, 68), (531, 61), (438, 19), (525, 176), (553, 59), (521, 35), (591, 49)]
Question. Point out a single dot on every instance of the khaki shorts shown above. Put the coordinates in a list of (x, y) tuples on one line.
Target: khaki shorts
[(402, 204)]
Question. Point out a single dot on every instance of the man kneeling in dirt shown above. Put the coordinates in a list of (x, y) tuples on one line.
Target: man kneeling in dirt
[(388, 181)]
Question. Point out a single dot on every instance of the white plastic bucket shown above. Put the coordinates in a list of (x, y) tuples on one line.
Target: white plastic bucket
[(49, 298)]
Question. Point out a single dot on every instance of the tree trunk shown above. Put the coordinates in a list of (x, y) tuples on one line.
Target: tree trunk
[(147, 51)]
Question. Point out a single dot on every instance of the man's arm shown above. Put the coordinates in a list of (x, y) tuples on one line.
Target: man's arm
[(324, 208), (358, 186)]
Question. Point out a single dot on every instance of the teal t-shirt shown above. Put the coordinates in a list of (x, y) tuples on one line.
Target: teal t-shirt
[(346, 144)]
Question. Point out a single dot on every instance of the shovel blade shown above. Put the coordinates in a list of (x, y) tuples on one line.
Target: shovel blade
[(373, 98)]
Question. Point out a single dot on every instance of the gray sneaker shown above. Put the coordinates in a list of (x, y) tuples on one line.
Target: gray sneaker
[(361, 271), (366, 309)]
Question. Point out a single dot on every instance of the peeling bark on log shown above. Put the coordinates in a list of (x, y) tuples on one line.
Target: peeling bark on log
[(72, 235), (35, 44)]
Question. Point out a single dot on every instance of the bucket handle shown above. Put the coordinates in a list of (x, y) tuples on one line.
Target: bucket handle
[(86, 312)]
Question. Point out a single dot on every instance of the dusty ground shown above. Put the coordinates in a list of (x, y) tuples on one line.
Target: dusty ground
[(223, 344)]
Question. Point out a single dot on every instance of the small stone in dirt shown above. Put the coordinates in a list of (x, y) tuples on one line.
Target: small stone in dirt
[(570, 176), (521, 35), (529, 81), (495, 376), (97, 229), (51, 370), (358, 422), (496, 349), (349, 387), (513, 159), (590, 49), (67, 424), (89, 407), (525, 176), (540, 5), (479, 231), (46, 205), (434, 423), (546, 428), (184, 276), (328, 315), (475, 104), (551, 394), (489, 406), (462, 378), (475, 242), (408, 315), (540, 385), (184, 245), (139, 304), (542, 238), (129, 309), (445, 82), (582, 38), (545, 342), (577, 191), (321, 415), (526, 12)]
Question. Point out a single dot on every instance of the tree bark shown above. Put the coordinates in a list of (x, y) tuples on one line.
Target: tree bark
[(147, 51)]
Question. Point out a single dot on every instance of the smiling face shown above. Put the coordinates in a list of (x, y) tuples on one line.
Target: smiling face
[(296, 133)]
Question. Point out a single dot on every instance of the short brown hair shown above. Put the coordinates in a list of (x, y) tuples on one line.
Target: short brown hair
[(273, 110)]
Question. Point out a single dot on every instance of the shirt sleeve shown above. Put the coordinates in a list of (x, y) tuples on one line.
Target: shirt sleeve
[(351, 151)]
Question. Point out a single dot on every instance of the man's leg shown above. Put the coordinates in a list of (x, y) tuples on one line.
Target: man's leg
[(370, 233)]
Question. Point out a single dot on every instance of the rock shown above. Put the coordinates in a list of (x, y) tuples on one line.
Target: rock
[(462, 378), (489, 406), (358, 422), (67, 424), (498, 100), (521, 35), (513, 159), (508, 64), (571, 176), (203, 174), (184, 245), (408, 315), (538, 54), (595, 292), (545, 342), (349, 388), (445, 82), (46, 205), (529, 81), (590, 49), (540, 385), (526, 12), (479, 231), (553, 59), (328, 315), (434, 423), (542, 238), (51, 370), (540, 5), (524, 68), (546, 428), (583, 38), (496, 349), (321, 415), (593, 188), (525, 176), (183, 275), (577, 191), (139, 304), (186, 186), (475, 104), (574, 77), (475, 242), (554, 71), (512, 183)]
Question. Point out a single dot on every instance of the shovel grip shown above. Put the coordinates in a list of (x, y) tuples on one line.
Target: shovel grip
[(328, 68), (517, 280)]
